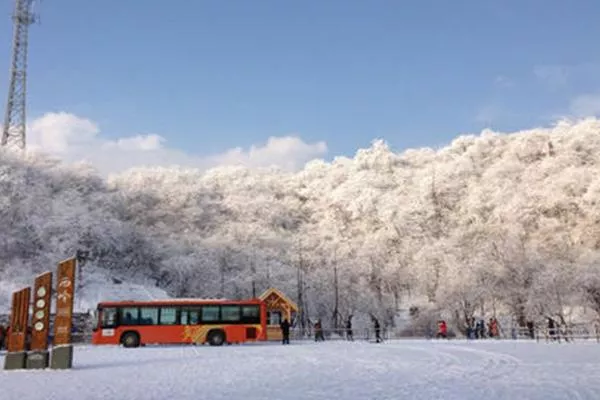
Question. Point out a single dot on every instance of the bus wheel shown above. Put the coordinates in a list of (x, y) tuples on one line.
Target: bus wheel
[(130, 339), (216, 338)]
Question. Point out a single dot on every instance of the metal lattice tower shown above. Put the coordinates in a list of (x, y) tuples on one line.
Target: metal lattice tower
[(13, 132)]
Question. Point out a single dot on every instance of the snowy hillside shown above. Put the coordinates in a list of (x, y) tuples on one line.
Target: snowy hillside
[(496, 223), (95, 288), (428, 370)]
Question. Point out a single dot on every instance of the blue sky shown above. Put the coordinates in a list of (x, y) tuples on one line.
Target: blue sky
[(212, 75)]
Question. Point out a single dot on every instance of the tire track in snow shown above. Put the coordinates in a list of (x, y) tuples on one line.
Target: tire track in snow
[(443, 366), (495, 365), (449, 365), (506, 366), (570, 392), (441, 360)]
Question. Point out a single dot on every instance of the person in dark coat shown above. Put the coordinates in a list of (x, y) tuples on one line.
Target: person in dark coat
[(480, 329), (531, 329), (551, 328), (285, 331), (377, 330), (2, 336), (349, 329), (319, 331)]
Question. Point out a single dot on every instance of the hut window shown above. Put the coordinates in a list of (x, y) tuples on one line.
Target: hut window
[(274, 317)]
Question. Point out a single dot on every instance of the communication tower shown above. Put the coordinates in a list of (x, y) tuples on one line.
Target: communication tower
[(13, 131)]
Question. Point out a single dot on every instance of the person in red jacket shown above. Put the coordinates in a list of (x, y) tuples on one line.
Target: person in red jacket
[(493, 327), (442, 329)]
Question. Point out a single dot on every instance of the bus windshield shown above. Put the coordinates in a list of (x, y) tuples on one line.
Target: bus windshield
[(108, 317)]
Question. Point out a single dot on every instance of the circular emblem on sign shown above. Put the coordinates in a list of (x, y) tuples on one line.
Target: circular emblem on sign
[(39, 326), (40, 303), (41, 292), (64, 283), (39, 314)]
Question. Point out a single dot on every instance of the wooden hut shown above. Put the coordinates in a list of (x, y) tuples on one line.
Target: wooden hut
[(279, 307)]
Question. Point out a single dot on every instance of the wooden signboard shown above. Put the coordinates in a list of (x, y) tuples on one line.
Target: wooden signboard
[(65, 284), (18, 320), (40, 320)]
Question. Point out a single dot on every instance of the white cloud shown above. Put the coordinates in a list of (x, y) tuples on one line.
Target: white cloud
[(75, 139), (288, 152), (585, 105), (137, 143), (60, 132)]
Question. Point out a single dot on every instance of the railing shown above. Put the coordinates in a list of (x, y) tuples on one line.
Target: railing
[(339, 334), (561, 334), (368, 334), (567, 334), (570, 333)]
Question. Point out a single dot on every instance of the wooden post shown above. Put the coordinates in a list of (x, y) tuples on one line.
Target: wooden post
[(19, 318), (38, 355), (62, 349)]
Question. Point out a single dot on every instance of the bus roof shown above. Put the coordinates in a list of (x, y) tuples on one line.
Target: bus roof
[(178, 301)]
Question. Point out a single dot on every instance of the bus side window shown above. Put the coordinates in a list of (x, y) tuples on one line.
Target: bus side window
[(251, 314), (210, 314), (183, 317), (194, 316), (230, 313), (128, 315), (149, 316), (168, 315)]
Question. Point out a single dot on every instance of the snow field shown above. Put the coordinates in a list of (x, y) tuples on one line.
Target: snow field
[(408, 369)]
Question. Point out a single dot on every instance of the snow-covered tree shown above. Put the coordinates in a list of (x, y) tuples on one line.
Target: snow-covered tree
[(492, 224)]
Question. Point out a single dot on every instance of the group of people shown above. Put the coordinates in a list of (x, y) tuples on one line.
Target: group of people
[(319, 334), (475, 329), (479, 330), (285, 331)]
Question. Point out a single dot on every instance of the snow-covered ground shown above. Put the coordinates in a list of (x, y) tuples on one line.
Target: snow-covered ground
[(408, 369)]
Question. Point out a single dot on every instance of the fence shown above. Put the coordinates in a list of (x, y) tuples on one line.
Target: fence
[(339, 334), (569, 333), (367, 334), (566, 334)]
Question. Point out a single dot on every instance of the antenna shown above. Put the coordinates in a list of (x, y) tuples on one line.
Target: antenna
[(13, 132)]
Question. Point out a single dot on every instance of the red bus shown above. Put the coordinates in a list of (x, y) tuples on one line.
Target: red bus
[(180, 321)]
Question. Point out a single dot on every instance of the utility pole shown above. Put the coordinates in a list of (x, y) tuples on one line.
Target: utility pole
[(300, 288), (253, 271), (336, 288), (13, 132), (81, 257)]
